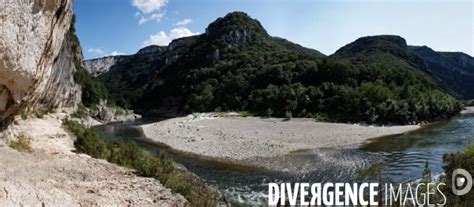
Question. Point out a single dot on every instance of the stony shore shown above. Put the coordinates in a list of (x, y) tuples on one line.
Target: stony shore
[(468, 110), (53, 175), (242, 140)]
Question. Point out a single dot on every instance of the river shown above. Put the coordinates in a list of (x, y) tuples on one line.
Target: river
[(403, 156)]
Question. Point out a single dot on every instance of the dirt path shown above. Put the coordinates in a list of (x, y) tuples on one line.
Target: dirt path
[(52, 175)]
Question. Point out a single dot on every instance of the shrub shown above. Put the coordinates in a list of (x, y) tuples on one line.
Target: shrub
[(269, 112), (24, 115), (321, 117), (119, 111), (244, 113), (22, 144), (81, 112), (130, 155), (464, 160), (469, 102), (40, 114), (88, 141)]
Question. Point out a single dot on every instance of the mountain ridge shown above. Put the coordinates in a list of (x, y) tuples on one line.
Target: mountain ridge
[(454, 69), (237, 65)]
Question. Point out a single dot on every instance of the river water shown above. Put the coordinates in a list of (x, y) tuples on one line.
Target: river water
[(403, 156)]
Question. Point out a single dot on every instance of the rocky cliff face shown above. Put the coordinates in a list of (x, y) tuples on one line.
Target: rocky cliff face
[(99, 66), (150, 49), (36, 57)]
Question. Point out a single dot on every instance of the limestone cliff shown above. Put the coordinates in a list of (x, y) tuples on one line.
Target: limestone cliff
[(36, 57), (101, 65)]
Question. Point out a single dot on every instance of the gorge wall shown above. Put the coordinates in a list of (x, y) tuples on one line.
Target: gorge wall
[(101, 65), (37, 57)]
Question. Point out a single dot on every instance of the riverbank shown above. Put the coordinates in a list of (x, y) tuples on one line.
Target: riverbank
[(468, 110), (245, 140), (51, 174), (102, 113)]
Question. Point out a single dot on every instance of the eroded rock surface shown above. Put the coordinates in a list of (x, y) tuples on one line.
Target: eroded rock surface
[(101, 65), (36, 67)]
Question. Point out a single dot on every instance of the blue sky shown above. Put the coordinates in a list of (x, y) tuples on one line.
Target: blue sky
[(124, 26)]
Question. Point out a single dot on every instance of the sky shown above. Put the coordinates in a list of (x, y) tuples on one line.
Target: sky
[(115, 27)]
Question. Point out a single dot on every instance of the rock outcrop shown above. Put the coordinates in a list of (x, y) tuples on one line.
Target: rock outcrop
[(36, 61), (103, 113), (99, 66), (106, 114), (150, 55), (150, 49)]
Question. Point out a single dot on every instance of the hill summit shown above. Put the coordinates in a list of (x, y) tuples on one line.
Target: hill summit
[(236, 27)]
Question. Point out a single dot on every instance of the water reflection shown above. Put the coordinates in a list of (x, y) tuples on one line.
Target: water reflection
[(405, 155)]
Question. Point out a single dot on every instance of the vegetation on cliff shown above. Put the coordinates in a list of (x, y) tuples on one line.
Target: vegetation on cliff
[(93, 90)]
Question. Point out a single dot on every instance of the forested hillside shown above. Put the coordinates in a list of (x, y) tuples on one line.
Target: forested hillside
[(396, 84), (236, 65), (455, 69)]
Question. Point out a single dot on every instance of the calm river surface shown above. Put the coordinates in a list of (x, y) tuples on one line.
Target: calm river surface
[(404, 158)]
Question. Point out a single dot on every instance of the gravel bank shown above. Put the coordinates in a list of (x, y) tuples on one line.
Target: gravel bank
[(468, 110), (241, 140)]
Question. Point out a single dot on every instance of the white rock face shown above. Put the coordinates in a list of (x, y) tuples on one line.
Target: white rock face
[(150, 49), (33, 74), (99, 66), (102, 65)]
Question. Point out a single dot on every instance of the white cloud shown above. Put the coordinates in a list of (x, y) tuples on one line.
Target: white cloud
[(116, 53), (184, 22), (149, 6), (181, 32), (144, 19), (96, 51), (149, 10), (162, 38)]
